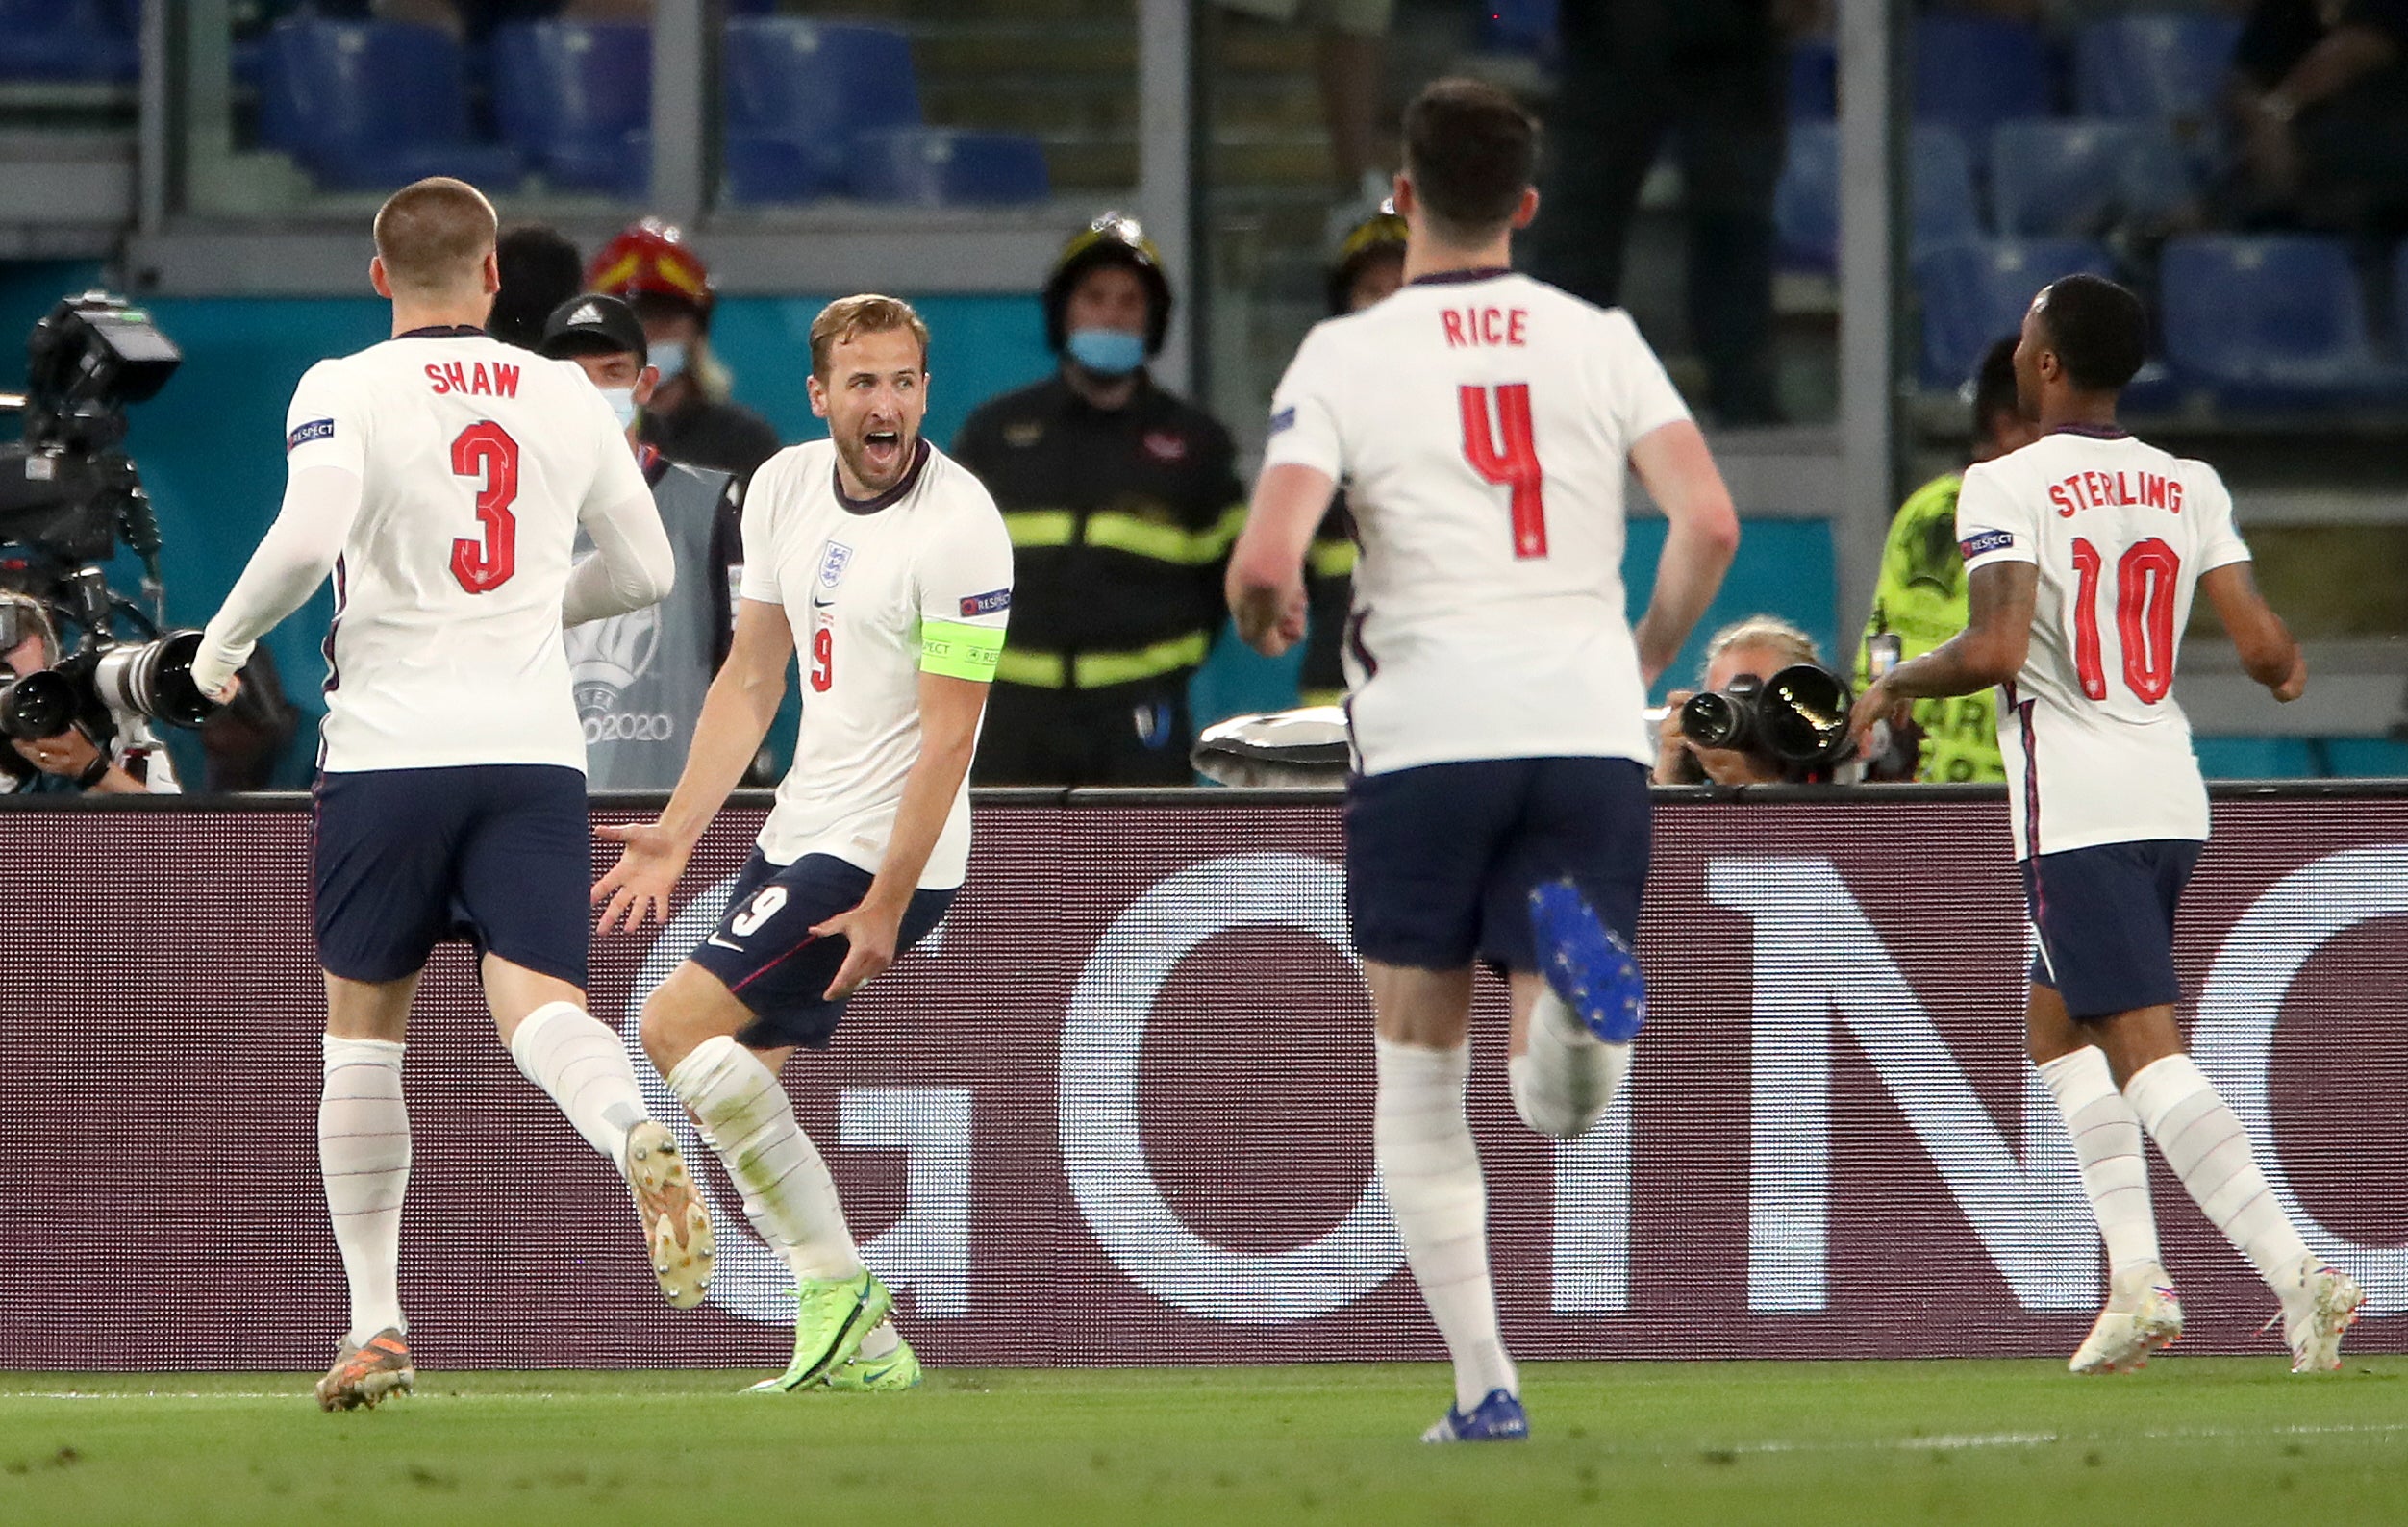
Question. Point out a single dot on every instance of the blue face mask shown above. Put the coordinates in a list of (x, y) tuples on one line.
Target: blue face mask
[(623, 402), (1107, 352), (669, 355)]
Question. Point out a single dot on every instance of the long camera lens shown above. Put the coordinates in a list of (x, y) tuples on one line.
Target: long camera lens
[(1722, 718), (35, 706), (155, 680), (1803, 713)]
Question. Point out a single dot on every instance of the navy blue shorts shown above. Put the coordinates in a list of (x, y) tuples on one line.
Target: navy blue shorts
[(2106, 922), (1441, 860), (500, 854), (765, 952)]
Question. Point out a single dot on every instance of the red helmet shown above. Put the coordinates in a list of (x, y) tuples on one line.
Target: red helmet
[(651, 259)]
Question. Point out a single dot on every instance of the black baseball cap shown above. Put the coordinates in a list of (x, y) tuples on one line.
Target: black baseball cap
[(594, 324)]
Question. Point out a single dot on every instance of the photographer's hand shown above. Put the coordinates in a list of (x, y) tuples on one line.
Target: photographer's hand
[(1877, 704), (638, 887), (71, 755)]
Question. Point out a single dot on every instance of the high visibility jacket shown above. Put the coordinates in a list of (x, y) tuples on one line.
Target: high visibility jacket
[(1920, 597)]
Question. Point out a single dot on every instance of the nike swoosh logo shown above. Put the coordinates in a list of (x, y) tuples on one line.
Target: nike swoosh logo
[(724, 944), (817, 603)]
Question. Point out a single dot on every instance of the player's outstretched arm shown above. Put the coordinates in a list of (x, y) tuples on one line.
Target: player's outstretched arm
[(1678, 472), (1265, 583), (1990, 651), (2269, 652), (633, 564), (293, 557), (949, 708), (735, 716)]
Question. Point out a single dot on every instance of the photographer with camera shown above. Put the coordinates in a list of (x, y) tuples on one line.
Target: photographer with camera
[(1770, 713), (77, 754)]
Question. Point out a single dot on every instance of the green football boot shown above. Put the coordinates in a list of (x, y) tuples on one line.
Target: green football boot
[(831, 1316), (897, 1370)]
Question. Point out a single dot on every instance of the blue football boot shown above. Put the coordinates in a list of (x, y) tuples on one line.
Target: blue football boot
[(1587, 963), (1499, 1418)]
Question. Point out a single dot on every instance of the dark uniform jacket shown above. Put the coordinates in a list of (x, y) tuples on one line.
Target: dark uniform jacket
[(711, 435), (1121, 523)]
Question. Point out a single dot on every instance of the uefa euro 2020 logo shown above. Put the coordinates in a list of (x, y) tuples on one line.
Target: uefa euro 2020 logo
[(605, 658)]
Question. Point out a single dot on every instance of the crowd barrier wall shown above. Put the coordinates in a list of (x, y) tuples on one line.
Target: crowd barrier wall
[(1118, 1110)]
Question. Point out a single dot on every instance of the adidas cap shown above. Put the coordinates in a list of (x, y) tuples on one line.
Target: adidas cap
[(592, 323)]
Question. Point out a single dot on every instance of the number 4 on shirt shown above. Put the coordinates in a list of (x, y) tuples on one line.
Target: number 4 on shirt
[(1503, 452)]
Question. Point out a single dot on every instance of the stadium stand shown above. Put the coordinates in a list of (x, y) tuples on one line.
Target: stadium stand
[(371, 105), (942, 166), (1978, 290), (2078, 178), (576, 99), (798, 92), (2166, 67), (1973, 73), (77, 39), (1806, 204), (2275, 322)]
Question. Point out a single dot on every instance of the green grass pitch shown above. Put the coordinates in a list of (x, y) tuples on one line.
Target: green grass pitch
[(2189, 1441)]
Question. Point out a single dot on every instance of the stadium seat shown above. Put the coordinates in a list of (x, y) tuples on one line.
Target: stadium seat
[(2078, 179), (798, 92), (2367, 757), (1525, 27), (576, 99), (940, 167), (2166, 67), (1974, 72), (68, 39), (1814, 80), (1978, 291), (2257, 758), (373, 105), (1806, 203), (2274, 321)]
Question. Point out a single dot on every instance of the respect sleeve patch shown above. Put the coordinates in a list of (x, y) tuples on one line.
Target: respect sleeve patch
[(314, 430), (987, 604), (1981, 543), (959, 652)]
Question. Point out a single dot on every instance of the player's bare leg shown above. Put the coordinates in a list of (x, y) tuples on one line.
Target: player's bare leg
[(689, 1028), (2207, 1147), (584, 1066), (363, 1155), (1430, 1169), (2143, 1312)]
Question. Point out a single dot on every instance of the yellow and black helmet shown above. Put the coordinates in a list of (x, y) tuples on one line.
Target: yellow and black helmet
[(1114, 237), (1383, 231)]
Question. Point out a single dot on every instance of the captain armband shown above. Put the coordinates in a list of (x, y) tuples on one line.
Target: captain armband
[(959, 651)]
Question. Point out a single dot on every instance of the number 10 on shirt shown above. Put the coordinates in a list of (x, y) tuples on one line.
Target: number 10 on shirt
[(1504, 452)]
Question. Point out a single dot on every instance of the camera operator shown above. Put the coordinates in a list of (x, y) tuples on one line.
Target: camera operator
[(74, 758), (1756, 648)]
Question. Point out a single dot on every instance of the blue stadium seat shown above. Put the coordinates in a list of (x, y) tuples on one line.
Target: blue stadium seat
[(373, 105), (2256, 757), (1978, 291), (68, 39), (2080, 178), (2367, 757), (576, 99), (798, 92), (1814, 80), (1520, 26), (1973, 73), (940, 167), (2166, 67), (2274, 321), (1806, 202)]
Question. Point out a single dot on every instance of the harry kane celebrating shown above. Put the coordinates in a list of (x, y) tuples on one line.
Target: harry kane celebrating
[(1480, 423), (444, 476), (2082, 552), (887, 568)]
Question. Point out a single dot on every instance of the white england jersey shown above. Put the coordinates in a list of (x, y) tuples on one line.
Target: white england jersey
[(916, 580), (1480, 427), (2095, 747), (477, 461)]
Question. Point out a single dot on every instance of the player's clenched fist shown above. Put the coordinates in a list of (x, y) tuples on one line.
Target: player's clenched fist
[(638, 887)]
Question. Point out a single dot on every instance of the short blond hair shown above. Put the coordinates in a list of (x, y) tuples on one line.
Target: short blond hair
[(850, 317), (1764, 631), (433, 233)]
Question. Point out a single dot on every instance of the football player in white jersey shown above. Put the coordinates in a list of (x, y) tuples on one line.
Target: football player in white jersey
[(2083, 551), (1480, 423), (885, 567), (441, 477)]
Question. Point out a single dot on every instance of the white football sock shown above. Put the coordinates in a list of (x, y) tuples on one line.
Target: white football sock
[(2107, 1143), (883, 1339), (750, 1122), (1563, 1083), (363, 1155), (1430, 1171), (2204, 1144), (586, 1069)]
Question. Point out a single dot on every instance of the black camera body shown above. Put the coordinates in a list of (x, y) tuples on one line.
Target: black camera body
[(1798, 716)]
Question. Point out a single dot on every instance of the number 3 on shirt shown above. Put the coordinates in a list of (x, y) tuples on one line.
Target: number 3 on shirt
[(484, 452), (1515, 465)]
